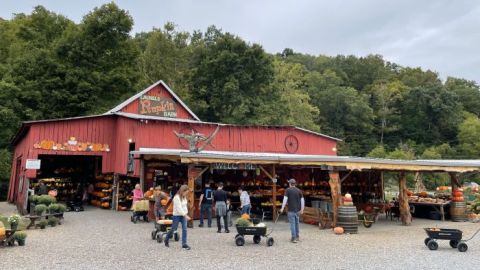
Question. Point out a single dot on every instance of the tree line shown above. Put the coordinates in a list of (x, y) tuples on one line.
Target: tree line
[(52, 67)]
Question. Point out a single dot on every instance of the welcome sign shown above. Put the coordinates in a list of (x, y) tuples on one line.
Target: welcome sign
[(157, 106)]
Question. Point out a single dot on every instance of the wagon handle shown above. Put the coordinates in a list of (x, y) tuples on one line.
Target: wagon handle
[(472, 236)]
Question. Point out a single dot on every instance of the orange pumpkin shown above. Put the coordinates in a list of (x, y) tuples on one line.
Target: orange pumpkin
[(246, 216), (338, 230), (105, 204), (164, 202), (458, 199), (457, 193), (2, 231)]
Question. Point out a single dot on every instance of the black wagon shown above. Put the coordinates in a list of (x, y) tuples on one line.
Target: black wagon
[(454, 235), (256, 231)]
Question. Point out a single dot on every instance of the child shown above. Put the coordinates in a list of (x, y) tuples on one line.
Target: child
[(159, 196), (229, 213)]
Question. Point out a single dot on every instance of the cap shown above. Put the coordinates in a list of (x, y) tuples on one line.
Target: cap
[(292, 181)]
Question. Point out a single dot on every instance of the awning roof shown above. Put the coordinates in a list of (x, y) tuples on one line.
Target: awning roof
[(351, 163)]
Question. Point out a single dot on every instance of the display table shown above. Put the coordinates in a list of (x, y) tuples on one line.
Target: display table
[(438, 207)]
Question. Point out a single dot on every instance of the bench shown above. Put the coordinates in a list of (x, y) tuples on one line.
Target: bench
[(34, 218)]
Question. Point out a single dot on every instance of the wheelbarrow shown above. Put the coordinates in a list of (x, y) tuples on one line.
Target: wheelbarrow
[(367, 219), (455, 237)]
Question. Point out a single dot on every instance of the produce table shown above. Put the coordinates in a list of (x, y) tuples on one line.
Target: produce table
[(438, 207)]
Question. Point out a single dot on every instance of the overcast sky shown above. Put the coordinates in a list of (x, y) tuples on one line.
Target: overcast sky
[(441, 35)]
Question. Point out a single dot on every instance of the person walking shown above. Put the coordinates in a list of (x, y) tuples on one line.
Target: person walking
[(296, 204), (137, 194), (180, 215), (220, 199), (244, 201), (205, 204)]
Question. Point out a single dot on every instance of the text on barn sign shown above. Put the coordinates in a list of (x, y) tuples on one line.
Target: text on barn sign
[(229, 166), (157, 106)]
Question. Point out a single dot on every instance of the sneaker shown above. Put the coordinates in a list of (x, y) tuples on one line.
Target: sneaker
[(166, 243), (186, 247), (219, 231), (294, 241), (227, 231), (200, 225)]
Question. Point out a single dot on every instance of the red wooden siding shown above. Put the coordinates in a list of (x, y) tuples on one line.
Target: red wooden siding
[(159, 91)]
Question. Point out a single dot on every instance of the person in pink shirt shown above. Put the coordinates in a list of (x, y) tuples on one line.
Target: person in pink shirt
[(137, 194)]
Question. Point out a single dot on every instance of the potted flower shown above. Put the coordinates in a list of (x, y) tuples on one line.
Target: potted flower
[(14, 220), (52, 221), (39, 209), (20, 237), (61, 208), (42, 224)]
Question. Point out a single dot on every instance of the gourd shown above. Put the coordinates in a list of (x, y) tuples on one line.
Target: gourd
[(246, 216), (338, 230)]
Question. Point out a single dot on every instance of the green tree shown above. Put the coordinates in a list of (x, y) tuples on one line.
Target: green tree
[(467, 93), (230, 80), (378, 152), (295, 104), (468, 137)]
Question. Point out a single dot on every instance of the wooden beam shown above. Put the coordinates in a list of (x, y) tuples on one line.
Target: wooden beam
[(193, 174), (405, 214), (266, 172), (274, 194), (345, 177), (336, 191), (454, 180)]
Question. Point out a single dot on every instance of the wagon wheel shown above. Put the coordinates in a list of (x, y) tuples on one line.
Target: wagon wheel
[(240, 241), (462, 247), (432, 245), (257, 239), (427, 240), (367, 224), (159, 238), (454, 243), (270, 241)]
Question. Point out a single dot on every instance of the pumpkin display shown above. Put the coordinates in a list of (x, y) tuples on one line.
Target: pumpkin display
[(338, 230), (246, 216), (2, 231), (457, 193)]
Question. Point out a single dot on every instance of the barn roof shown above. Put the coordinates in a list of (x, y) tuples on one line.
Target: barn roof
[(133, 98)]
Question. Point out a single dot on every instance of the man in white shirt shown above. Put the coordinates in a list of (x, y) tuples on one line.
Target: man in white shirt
[(244, 201)]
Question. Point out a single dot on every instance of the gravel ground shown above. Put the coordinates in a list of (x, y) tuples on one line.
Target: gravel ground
[(102, 239)]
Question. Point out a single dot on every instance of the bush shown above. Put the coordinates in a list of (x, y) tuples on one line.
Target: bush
[(34, 199), (40, 208), (52, 221), (20, 236), (14, 219), (43, 223), (46, 199), (241, 222), (53, 208), (61, 208)]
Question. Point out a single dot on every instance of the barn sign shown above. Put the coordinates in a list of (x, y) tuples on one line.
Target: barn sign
[(157, 106), (231, 166)]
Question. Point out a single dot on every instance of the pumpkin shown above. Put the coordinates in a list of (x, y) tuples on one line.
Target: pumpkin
[(2, 231), (348, 195), (457, 193), (105, 204), (246, 216), (458, 199), (148, 194), (423, 194), (338, 230), (164, 202)]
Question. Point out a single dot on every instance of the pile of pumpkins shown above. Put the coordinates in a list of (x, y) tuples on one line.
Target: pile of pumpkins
[(347, 200), (457, 195)]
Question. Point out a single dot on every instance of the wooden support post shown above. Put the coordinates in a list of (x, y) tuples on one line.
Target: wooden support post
[(405, 214), (336, 191), (274, 194), (193, 174), (454, 180), (382, 186)]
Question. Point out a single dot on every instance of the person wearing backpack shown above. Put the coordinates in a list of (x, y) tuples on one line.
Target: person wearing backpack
[(205, 204)]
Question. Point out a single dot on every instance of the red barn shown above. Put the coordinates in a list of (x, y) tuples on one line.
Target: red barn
[(94, 151)]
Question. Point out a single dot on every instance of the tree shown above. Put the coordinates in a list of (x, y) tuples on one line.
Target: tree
[(468, 137), (378, 152), (230, 79), (466, 92), (295, 105)]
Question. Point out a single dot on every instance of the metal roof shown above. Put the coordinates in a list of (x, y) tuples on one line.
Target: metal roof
[(354, 163)]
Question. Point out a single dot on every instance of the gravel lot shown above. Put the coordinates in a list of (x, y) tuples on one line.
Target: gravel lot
[(102, 239)]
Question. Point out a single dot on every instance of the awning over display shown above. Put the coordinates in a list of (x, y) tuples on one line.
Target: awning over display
[(350, 163)]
